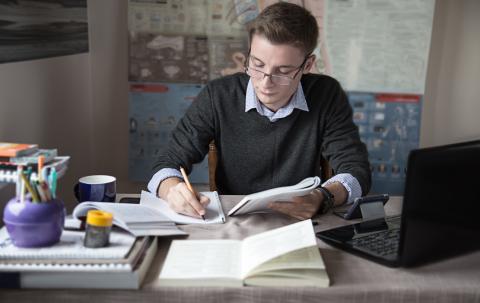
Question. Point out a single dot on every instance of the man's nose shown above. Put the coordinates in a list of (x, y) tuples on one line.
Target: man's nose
[(267, 81)]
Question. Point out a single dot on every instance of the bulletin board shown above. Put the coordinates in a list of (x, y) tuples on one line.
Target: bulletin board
[(378, 50)]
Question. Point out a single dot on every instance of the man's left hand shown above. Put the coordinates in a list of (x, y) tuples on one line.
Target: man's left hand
[(301, 208)]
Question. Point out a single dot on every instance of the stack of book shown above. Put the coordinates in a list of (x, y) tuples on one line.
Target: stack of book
[(68, 264), (15, 155)]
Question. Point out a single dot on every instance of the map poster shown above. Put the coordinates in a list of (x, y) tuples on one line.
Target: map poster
[(154, 111), (165, 58), (227, 55)]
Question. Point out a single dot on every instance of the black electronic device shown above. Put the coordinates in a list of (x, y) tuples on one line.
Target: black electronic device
[(439, 216), (132, 200), (354, 212)]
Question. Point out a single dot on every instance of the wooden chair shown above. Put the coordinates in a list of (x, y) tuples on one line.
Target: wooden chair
[(326, 169)]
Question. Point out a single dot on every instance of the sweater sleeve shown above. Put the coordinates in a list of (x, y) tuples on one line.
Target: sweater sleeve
[(341, 141), (188, 143)]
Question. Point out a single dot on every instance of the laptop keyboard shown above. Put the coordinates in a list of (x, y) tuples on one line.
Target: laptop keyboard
[(381, 243)]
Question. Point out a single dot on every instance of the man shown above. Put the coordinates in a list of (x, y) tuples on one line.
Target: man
[(270, 125)]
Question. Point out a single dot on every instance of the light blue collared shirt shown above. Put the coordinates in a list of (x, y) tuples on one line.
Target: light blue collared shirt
[(297, 101)]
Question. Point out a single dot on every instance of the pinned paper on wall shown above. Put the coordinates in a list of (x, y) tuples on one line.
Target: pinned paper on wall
[(375, 49)]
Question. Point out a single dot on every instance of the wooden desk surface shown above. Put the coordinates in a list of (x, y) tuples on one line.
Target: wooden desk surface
[(353, 279)]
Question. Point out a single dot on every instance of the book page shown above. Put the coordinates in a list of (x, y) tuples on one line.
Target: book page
[(123, 214), (266, 246), (202, 259), (258, 202), (305, 258), (213, 212)]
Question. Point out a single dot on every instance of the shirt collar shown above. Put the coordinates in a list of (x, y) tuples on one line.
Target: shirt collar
[(297, 101)]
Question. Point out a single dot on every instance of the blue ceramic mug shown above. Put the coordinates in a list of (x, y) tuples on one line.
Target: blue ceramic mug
[(99, 188)]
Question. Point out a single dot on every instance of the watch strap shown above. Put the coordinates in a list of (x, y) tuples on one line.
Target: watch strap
[(328, 200)]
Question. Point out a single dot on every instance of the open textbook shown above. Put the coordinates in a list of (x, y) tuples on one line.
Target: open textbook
[(152, 216), (137, 219), (286, 256), (258, 202)]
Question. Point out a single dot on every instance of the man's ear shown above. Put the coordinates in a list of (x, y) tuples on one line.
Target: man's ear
[(309, 64)]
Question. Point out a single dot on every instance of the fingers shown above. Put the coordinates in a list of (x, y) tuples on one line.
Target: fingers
[(204, 200), (183, 201), (300, 208), (287, 208)]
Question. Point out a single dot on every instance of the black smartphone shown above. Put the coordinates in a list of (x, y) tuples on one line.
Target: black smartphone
[(132, 200), (354, 211)]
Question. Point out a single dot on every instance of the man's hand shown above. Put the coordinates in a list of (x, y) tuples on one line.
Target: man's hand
[(307, 206), (181, 199), (301, 208)]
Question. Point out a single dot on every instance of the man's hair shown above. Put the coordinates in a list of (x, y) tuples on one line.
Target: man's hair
[(286, 23)]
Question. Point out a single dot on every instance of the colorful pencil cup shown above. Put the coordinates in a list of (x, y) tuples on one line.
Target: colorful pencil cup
[(32, 224)]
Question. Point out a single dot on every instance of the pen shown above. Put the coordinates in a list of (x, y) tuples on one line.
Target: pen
[(190, 188), (19, 181)]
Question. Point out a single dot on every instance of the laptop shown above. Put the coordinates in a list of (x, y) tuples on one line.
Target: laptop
[(440, 212)]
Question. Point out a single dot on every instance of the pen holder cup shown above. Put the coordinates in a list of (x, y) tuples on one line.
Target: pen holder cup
[(31, 224)]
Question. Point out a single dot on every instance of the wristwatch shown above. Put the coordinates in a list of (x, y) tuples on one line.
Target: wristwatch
[(328, 200)]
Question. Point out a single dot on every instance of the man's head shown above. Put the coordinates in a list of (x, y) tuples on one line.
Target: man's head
[(282, 39), (286, 23)]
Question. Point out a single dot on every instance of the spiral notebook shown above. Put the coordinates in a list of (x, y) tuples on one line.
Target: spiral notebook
[(69, 253)]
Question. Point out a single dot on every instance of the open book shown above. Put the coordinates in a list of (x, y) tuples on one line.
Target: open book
[(286, 256), (152, 216), (137, 219), (258, 202)]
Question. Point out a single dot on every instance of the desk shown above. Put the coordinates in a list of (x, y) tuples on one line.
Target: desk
[(353, 279)]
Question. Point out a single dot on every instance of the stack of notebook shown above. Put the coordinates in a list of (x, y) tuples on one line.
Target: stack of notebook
[(67, 264)]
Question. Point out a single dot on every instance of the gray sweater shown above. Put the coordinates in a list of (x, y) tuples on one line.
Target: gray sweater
[(255, 154)]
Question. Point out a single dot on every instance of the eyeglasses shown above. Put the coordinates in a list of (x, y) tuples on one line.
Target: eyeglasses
[(276, 79)]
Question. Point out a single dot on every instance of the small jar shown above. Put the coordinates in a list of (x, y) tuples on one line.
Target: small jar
[(99, 225)]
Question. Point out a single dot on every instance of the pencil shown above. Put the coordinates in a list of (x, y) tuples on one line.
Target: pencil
[(40, 163), (190, 188), (30, 189)]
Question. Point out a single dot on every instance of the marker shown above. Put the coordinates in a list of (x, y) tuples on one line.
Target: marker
[(53, 182)]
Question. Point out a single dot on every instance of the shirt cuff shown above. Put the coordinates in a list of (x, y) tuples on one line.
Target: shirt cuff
[(161, 175), (350, 183)]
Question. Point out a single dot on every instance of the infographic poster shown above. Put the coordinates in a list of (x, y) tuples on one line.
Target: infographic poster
[(389, 124), (152, 117), (377, 50)]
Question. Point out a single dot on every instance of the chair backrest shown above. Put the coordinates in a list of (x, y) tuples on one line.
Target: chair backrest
[(325, 168)]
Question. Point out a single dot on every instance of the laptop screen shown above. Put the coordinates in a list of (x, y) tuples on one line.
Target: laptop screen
[(441, 203)]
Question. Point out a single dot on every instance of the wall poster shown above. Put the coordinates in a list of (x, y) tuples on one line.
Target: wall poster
[(378, 50)]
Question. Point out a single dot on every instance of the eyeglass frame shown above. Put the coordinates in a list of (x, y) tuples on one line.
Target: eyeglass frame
[(273, 75)]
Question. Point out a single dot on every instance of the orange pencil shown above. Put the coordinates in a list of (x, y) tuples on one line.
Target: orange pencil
[(40, 162), (190, 188)]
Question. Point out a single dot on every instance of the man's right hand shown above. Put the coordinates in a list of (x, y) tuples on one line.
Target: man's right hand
[(181, 199)]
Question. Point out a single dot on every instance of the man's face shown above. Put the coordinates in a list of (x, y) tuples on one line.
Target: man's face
[(276, 59)]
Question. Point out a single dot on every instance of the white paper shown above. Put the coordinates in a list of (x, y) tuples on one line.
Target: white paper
[(214, 212)]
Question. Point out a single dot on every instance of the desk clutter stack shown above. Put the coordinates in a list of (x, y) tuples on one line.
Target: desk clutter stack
[(31, 159), (68, 264)]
